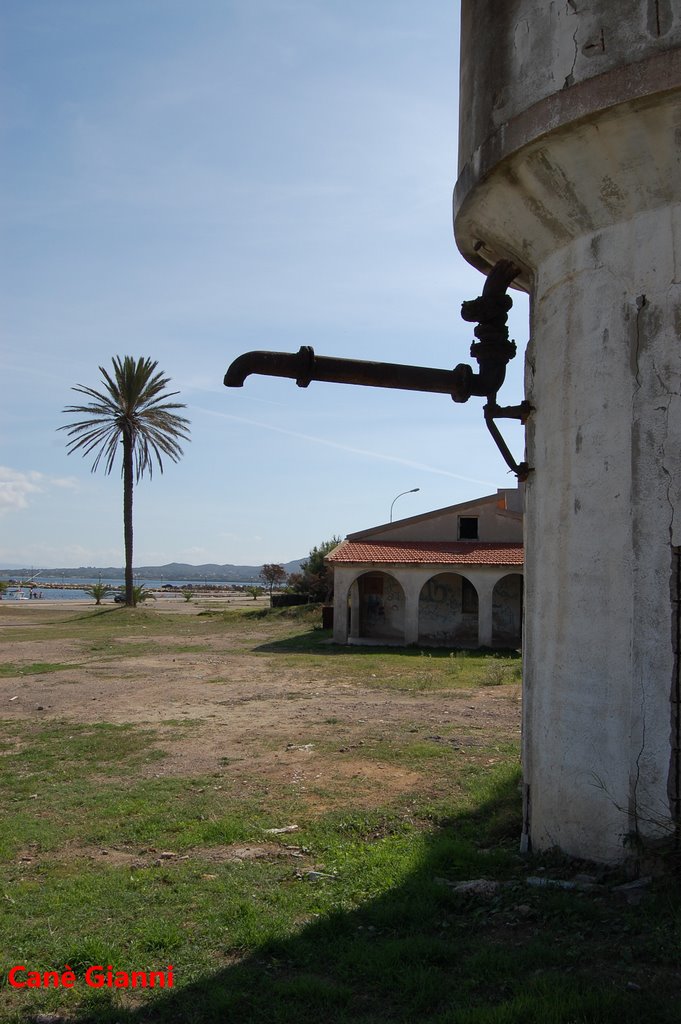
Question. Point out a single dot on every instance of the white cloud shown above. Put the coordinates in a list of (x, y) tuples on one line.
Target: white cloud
[(19, 487)]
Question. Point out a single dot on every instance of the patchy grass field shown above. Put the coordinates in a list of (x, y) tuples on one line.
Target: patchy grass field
[(284, 822)]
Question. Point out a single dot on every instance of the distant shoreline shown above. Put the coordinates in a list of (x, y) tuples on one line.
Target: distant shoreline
[(209, 573), (221, 588)]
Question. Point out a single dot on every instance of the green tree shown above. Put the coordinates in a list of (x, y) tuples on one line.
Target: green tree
[(315, 578), (140, 594), (131, 413), (255, 592), (98, 591), (273, 576)]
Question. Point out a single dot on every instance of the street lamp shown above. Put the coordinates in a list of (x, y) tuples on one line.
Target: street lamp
[(412, 491)]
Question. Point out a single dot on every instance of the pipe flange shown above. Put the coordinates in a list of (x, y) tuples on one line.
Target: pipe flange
[(306, 366)]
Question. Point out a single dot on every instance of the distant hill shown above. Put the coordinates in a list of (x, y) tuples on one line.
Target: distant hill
[(211, 572)]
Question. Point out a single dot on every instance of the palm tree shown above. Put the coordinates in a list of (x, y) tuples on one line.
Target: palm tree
[(132, 411), (98, 591)]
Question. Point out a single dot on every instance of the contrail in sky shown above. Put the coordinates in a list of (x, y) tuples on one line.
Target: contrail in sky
[(345, 447)]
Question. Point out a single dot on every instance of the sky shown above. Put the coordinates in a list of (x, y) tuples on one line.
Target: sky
[(191, 179)]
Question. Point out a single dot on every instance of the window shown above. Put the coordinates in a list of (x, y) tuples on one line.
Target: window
[(468, 527)]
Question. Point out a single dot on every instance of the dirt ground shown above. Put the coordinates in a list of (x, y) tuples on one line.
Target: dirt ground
[(227, 707)]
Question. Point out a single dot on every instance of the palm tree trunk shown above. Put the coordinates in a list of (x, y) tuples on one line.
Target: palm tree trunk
[(127, 516)]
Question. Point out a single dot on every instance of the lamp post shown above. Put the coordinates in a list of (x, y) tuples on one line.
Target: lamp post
[(412, 491)]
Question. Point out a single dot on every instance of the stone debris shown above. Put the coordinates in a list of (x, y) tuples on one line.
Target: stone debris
[(473, 887), (636, 886), (260, 851), (281, 831), (633, 892)]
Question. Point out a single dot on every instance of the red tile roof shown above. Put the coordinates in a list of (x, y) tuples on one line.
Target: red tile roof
[(427, 552)]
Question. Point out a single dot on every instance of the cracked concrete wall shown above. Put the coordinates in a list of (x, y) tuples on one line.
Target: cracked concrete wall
[(527, 50), (540, 115), (571, 165), (603, 511)]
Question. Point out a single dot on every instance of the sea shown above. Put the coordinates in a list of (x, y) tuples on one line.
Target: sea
[(73, 590)]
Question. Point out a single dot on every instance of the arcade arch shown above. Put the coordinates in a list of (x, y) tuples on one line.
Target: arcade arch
[(377, 607), (448, 611), (507, 610), (433, 605)]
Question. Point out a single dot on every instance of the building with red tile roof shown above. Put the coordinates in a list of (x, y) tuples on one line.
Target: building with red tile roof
[(451, 577)]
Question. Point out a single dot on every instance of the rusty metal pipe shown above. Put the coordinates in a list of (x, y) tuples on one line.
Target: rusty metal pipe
[(492, 351), (304, 366)]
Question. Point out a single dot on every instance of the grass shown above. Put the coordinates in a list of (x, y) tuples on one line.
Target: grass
[(103, 862), (37, 668), (393, 668)]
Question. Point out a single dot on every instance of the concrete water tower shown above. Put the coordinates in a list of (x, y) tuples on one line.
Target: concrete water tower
[(570, 166)]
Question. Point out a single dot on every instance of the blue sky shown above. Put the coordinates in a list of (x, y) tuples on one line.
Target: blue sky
[(191, 180)]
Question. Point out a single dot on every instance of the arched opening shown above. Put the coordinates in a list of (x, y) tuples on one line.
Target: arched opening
[(448, 611), (379, 603), (507, 610)]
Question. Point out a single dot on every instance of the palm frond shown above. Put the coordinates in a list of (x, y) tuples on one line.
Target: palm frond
[(134, 401)]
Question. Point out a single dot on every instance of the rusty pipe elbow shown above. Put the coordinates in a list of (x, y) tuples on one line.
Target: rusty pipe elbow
[(238, 370), (270, 364)]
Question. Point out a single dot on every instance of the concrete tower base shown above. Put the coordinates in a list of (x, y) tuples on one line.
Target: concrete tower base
[(570, 165), (603, 519)]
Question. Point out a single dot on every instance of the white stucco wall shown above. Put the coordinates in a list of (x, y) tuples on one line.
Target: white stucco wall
[(499, 520), (604, 508), (571, 166), (410, 615)]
